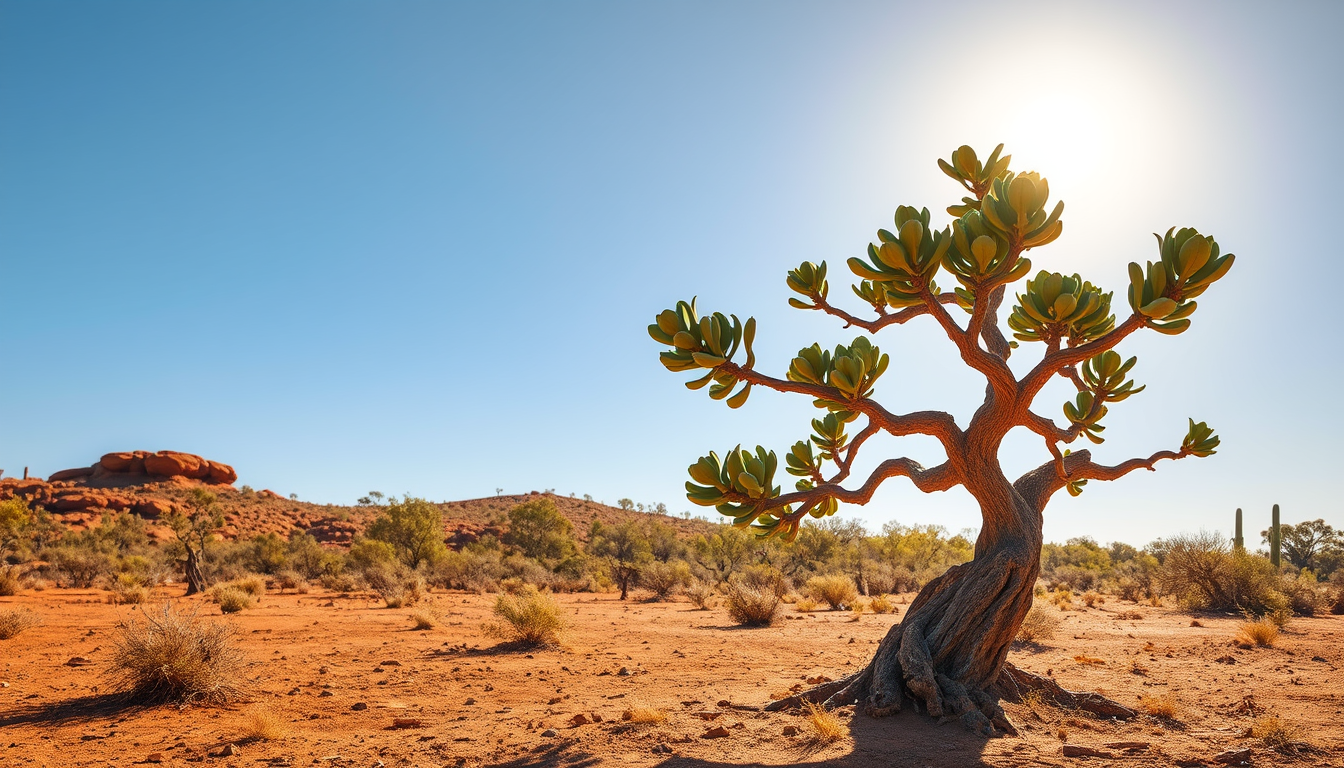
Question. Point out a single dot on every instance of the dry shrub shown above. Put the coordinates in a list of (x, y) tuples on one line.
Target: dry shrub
[(1205, 572), (1063, 599), (230, 598), (698, 592), (664, 579), (339, 582), (10, 582), (826, 726), (1040, 624), (644, 715), (749, 605), (882, 604), (175, 656), (255, 586), (1262, 632), (15, 620), (262, 724), (805, 605), (288, 580), (858, 609), (128, 594), (1083, 658), (836, 590), (1091, 599), (514, 585), (1165, 706), (1276, 733), (427, 617), (530, 618)]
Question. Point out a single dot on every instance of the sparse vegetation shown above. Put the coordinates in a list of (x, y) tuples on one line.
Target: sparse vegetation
[(262, 724), (641, 714), (1164, 706), (882, 604), (750, 605), (825, 725), (836, 591), (1040, 624), (231, 599), (1261, 632), (1276, 733), (529, 619), (16, 620), (172, 655), (427, 617)]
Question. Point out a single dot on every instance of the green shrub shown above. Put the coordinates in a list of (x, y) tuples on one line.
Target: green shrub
[(1204, 572), (836, 590), (540, 531), (231, 599), (663, 579), (531, 619), (414, 528)]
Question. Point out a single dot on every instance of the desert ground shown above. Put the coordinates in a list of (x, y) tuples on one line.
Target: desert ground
[(352, 683)]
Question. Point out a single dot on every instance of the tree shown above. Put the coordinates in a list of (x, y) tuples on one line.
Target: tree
[(1305, 543), (625, 548), (722, 552), (538, 529), (195, 528), (949, 651), (414, 528)]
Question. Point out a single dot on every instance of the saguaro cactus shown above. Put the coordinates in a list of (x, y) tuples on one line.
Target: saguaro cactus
[(1275, 539), (1238, 541), (949, 651)]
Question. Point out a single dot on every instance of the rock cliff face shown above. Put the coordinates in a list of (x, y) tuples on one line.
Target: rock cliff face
[(140, 467)]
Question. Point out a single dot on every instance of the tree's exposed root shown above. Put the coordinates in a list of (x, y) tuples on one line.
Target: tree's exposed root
[(1014, 683), (948, 657)]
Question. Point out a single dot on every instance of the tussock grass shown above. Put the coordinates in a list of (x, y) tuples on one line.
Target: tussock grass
[(1092, 599), (10, 582), (805, 605), (175, 656), (1164, 706), (699, 593), (1276, 733), (255, 586), (1040, 624), (262, 724), (230, 598), (1262, 632), (836, 591), (531, 618), (427, 617), (644, 715), (749, 606), (825, 726), (16, 620), (881, 604)]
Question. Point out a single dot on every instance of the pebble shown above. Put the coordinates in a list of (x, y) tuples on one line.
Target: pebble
[(359, 706), (716, 733), (550, 733)]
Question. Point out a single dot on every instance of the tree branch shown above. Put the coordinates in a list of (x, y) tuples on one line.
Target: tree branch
[(939, 478), (994, 368), (1038, 485), (853, 451), (1055, 361), (873, 326), (933, 423)]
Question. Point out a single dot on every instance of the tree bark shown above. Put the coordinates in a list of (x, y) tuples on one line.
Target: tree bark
[(195, 578)]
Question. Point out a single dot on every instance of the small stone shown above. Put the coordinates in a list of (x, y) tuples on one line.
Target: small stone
[(662, 749), (1136, 746), (625, 672), (293, 692), (579, 719), (154, 757), (359, 706), (790, 730), (469, 702), (323, 670), (1233, 757), (389, 663), (724, 703), (1320, 659), (549, 733), (716, 733), (228, 751), (78, 661), (4, 685), (407, 722), (1078, 750), (555, 700), (326, 693)]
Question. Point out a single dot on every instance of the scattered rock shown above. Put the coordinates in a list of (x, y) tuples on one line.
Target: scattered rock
[(1129, 746), (389, 663), (1078, 750), (78, 661), (716, 733), (154, 757), (790, 730), (469, 702), (625, 672), (228, 750), (407, 722), (818, 680), (662, 749), (579, 719), (724, 703), (1320, 659), (1225, 660), (326, 693), (550, 733), (707, 715), (1233, 757), (359, 706), (555, 700)]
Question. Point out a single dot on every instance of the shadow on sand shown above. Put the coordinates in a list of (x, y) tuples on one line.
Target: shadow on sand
[(79, 710)]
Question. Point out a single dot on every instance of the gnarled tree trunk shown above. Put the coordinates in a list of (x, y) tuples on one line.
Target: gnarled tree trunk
[(195, 578)]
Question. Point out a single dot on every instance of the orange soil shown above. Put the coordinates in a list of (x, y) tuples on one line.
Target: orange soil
[(315, 657)]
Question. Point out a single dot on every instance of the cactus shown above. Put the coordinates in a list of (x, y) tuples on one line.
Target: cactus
[(1275, 539), (1238, 541)]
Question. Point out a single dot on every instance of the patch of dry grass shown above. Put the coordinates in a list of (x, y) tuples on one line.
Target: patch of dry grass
[(1276, 733), (230, 598), (749, 606), (1083, 658), (837, 591), (172, 655), (10, 582), (530, 618), (825, 725), (1262, 632), (1040, 624), (1092, 599), (882, 604), (805, 605), (427, 617), (15, 620), (1164, 706), (644, 715), (262, 724)]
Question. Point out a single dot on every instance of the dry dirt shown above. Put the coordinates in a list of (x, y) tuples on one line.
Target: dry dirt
[(340, 671)]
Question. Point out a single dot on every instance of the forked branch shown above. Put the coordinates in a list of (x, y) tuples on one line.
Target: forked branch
[(882, 320)]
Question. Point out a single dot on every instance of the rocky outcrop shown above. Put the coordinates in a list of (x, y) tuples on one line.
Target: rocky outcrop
[(331, 530), (139, 467)]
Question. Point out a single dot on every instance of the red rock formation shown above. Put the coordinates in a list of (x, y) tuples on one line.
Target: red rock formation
[(140, 467)]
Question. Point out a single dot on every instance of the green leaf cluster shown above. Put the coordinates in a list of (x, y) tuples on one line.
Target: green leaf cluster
[(1055, 306), (900, 271), (810, 280), (1189, 264), (974, 175), (705, 342), (1200, 440), (1015, 206), (1104, 376), (852, 369)]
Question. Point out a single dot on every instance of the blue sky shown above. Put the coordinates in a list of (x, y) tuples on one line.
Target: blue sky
[(413, 247)]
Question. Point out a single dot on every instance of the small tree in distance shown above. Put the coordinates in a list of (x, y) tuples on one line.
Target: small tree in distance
[(949, 651), (414, 528), (194, 529), (625, 548)]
